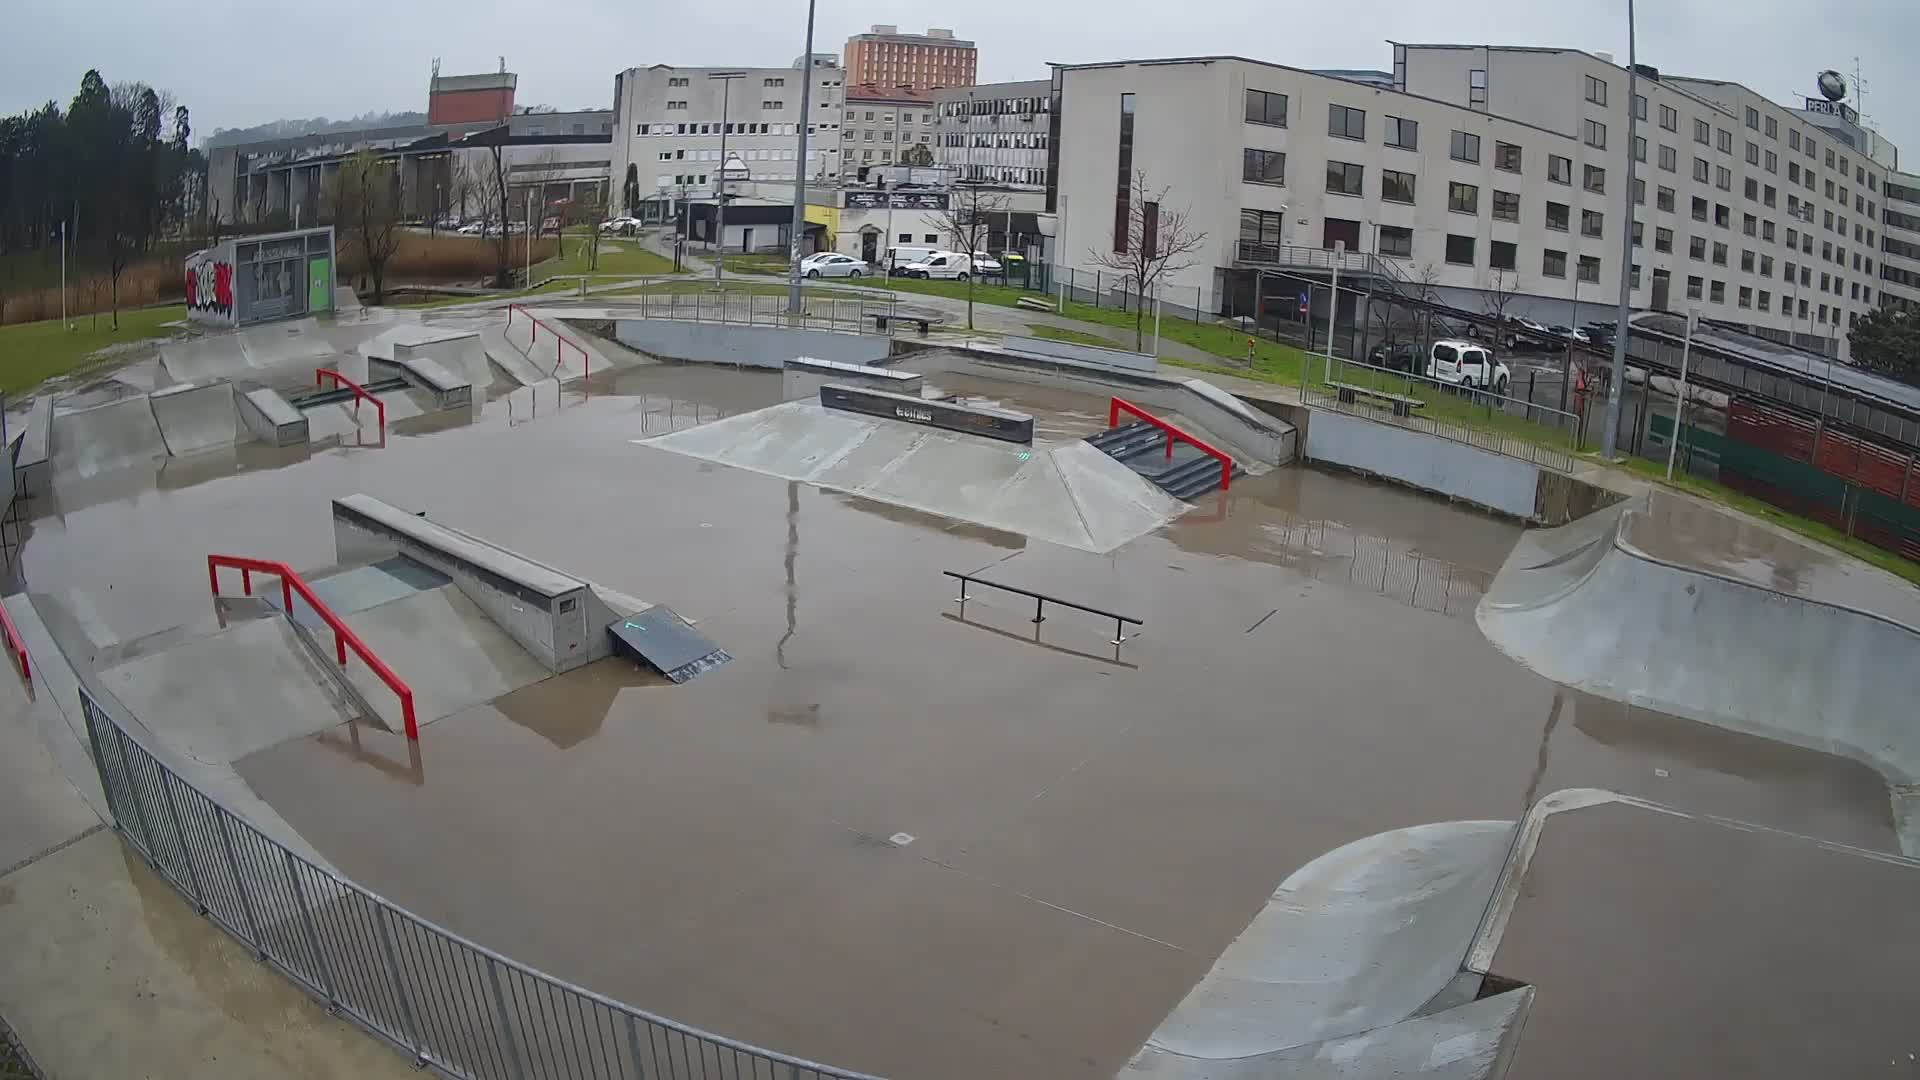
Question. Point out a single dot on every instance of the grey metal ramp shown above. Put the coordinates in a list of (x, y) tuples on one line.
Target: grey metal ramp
[(197, 416), (106, 437), (667, 643)]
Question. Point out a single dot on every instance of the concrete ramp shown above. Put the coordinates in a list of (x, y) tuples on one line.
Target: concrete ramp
[(197, 416), (1607, 605), (448, 651), (107, 437), (1359, 939), (575, 359), (508, 358), (1066, 493), (667, 643)]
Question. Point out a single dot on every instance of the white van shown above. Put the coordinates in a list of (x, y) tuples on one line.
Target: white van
[(1467, 365), (894, 259), (951, 265)]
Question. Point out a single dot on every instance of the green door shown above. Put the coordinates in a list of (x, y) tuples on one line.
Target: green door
[(319, 285)]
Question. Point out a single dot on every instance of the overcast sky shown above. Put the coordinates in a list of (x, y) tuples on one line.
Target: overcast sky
[(238, 63)]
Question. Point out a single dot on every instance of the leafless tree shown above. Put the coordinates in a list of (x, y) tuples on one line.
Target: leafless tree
[(586, 212), (1496, 297), (1158, 243), (969, 214), (366, 209)]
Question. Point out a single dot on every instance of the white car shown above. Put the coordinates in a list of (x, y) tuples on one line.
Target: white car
[(984, 263), (623, 225), (947, 265), (826, 264), (1466, 365), (473, 228)]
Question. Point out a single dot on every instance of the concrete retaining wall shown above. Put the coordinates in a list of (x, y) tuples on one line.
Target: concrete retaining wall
[(1086, 354), (271, 418), (750, 346), (1428, 462), (32, 469), (804, 376)]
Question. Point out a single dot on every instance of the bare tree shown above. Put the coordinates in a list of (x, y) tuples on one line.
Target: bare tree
[(493, 189), (366, 209), (1157, 243), (969, 214), (586, 211), (1498, 294)]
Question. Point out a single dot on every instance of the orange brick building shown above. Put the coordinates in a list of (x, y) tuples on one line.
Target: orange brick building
[(886, 57)]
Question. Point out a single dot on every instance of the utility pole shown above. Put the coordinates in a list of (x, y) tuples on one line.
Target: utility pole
[(1610, 434), (800, 174), (725, 78), (1680, 403)]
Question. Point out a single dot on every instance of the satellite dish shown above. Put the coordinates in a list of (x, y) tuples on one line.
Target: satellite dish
[(1833, 85)]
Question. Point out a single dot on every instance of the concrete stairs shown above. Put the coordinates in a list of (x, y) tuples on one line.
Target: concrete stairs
[(1187, 474)]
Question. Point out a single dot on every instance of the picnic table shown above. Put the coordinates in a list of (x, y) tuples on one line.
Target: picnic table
[(919, 316)]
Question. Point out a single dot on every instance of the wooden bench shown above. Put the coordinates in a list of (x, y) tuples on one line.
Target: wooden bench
[(1402, 405), (881, 319), (1034, 303)]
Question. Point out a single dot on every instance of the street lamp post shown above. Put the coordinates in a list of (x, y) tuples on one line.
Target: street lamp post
[(1610, 436), (800, 173), (725, 79)]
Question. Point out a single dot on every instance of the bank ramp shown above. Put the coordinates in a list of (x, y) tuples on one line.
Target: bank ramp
[(1666, 603)]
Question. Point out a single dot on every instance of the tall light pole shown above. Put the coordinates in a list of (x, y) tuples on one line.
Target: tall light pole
[(1610, 435), (725, 79), (800, 173)]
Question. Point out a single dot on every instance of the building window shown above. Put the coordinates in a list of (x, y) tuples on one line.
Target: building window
[(1725, 140), (1404, 134), (1639, 148), (1559, 169), (1460, 250), (1396, 241), (1669, 118), (1477, 92), (1463, 198), (773, 106), (1696, 286), (1639, 234), (1261, 226), (1266, 108), (1719, 254), (773, 82), (1263, 166), (1750, 225), (1766, 300), (1766, 266), (1669, 159), (1663, 199), (1639, 192), (1501, 255), (1594, 179), (1123, 191), (1753, 153), (1753, 118), (1793, 172), (1464, 147), (1723, 215), (1344, 178), (1506, 206), (1772, 161), (1553, 263), (676, 82), (1812, 148), (1634, 273), (1396, 186), (1793, 138), (1717, 293), (1506, 157), (1663, 240), (1702, 170), (1746, 261), (1345, 123), (1752, 188), (1640, 106), (1591, 222), (1699, 208), (1557, 216), (1590, 268), (1594, 134), (1697, 248), (1596, 90)]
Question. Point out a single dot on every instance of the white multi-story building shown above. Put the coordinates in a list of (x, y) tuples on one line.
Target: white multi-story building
[(996, 133), (879, 124), (668, 125), (1484, 171)]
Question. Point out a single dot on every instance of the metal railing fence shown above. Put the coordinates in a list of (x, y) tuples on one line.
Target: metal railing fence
[(1509, 423), (751, 309), (455, 1006)]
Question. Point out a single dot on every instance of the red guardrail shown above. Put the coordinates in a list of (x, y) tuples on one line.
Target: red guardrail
[(320, 377), (1116, 406), (343, 637), (560, 340), (16, 645)]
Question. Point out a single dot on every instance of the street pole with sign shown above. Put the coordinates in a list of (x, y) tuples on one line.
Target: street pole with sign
[(1680, 404), (799, 227), (725, 79)]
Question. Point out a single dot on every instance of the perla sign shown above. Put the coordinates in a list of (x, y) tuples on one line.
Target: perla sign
[(1833, 108)]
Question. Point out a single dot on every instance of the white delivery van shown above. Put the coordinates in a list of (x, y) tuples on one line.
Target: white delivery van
[(894, 259), (950, 265)]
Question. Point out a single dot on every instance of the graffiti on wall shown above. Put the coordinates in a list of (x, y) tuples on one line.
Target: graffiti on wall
[(209, 286)]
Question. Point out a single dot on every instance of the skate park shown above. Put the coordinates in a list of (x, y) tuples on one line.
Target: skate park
[(766, 794)]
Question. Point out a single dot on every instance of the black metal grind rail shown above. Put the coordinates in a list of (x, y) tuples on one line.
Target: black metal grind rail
[(1040, 602)]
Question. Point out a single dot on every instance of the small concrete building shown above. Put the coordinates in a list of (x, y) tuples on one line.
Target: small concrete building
[(255, 279)]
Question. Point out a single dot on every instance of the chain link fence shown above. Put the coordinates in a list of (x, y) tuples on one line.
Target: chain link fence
[(455, 1006)]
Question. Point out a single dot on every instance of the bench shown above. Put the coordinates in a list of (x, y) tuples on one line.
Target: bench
[(1034, 303), (881, 319), (1348, 393)]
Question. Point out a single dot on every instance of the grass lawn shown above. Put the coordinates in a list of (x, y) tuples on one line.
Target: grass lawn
[(31, 353), (1078, 337), (618, 258), (455, 301), (737, 288), (756, 264), (1656, 471)]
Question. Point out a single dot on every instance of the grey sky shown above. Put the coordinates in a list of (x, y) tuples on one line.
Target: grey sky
[(241, 62)]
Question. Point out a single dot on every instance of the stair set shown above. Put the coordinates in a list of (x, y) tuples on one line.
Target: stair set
[(1176, 462)]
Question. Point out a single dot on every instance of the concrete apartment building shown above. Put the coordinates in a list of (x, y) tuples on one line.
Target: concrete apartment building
[(668, 127), (1900, 240), (1485, 169), (878, 125), (996, 133), (886, 57)]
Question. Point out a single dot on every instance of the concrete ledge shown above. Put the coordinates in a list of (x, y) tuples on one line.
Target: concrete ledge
[(421, 370), (804, 376), (272, 418), (950, 416), (1086, 354), (32, 468)]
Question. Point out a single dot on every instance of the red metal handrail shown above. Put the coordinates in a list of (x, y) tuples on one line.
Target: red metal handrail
[(343, 637), (16, 645), (559, 339), (320, 377), (1117, 406)]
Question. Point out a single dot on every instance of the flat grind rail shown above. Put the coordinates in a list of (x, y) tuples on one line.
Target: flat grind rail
[(560, 340), (343, 637), (16, 645), (320, 377), (1041, 600), (1117, 406)]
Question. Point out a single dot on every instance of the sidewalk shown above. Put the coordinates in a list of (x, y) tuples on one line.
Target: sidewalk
[(109, 973)]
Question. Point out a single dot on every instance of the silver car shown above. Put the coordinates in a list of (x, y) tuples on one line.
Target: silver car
[(826, 264)]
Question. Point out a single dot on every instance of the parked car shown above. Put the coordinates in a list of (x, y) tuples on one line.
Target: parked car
[(1571, 334), (1467, 365), (828, 264), (897, 259), (473, 228), (985, 264), (1400, 356), (947, 265), (625, 226)]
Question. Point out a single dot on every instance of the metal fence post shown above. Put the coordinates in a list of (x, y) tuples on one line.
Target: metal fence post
[(186, 853), (506, 1022), (633, 1046), (133, 791), (240, 885), (413, 1031), (313, 940)]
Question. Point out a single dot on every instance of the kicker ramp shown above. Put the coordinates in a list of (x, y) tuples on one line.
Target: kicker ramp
[(119, 434), (197, 416)]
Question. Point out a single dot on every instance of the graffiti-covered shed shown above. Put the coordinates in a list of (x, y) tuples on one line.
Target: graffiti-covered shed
[(253, 279)]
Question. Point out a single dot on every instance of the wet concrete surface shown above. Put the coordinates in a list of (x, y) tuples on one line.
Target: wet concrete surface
[(1087, 831)]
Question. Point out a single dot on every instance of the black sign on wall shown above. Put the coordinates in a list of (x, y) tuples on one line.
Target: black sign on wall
[(967, 419), (897, 200)]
